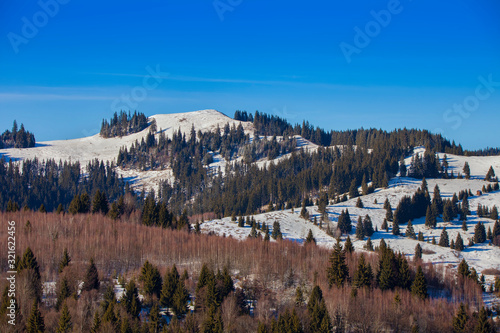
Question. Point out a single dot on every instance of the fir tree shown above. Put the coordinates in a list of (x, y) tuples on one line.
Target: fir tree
[(418, 252), (419, 286), (96, 323), (360, 232), (466, 170), (151, 279), (180, 300), (154, 318), (368, 226), (404, 278), (344, 222), (410, 233), (359, 203), (35, 323), (310, 238), (395, 228), (479, 233), (130, 299), (384, 225), (65, 260), (437, 201), (490, 175), (369, 245), (363, 274), (459, 243), (63, 292), (483, 324), (388, 213), (337, 271), (299, 297), (64, 321), (460, 320), (348, 247), (430, 218), (463, 269), (91, 280), (444, 240), (464, 225), (169, 287), (277, 231), (494, 213), (420, 237)]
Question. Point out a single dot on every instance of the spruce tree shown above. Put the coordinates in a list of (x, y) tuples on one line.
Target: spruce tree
[(369, 245), (430, 218), (348, 247), (63, 292), (310, 238), (420, 237), (459, 243), (65, 260), (64, 325), (363, 274), (35, 323), (479, 233), (444, 240), (180, 300), (395, 228), (483, 324), (437, 201), (96, 323), (154, 318), (466, 170), (419, 286), (490, 175), (460, 320), (410, 233), (418, 252), (368, 226), (463, 269), (384, 225), (360, 232), (276, 234), (494, 213), (91, 280), (464, 225), (337, 271), (359, 203), (169, 287), (131, 300)]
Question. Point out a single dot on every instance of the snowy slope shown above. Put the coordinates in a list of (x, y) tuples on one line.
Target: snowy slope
[(92, 147)]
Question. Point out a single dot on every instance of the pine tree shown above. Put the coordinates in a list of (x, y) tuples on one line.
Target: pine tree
[(483, 324), (418, 252), (64, 321), (276, 234), (384, 225), (344, 222), (35, 322), (463, 269), (91, 280), (404, 278), (348, 247), (337, 271), (151, 278), (489, 234), (368, 226), (169, 287), (444, 240), (466, 170), (395, 228), (479, 233), (369, 245), (388, 213), (131, 300), (459, 243), (310, 238), (464, 225), (410, 233), (496, 229), (494, 213), (154, 318), (65, 260), (460, 320), (29, 265), (96, 323), (63, 292), (180, 300), (430, 218), (420, 237), (360, 232), (437, 201), (419, 286), (299, 297), (490, 175), (363, 274), (359, 203)]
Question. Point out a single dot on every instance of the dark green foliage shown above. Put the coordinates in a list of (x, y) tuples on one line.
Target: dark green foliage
[(100, 203), (213, 321), (369, 245), (131, 300), (494, 213), (169, 287), (464, 225), (483, 324), (96, 323), (363, 274), (459, 243), (91, 280), (64, 325), (444, 240), (419, 286), (466, 170), (430, 218), (404, 277), (289, 322), (35, 323), (479, 233), (359, 203), (276, 234), (337, 271), (28, 265), (348, 247), (437, 201), (123, 124), (395, 227), (65, 260), (418, 252), (460, 320), (63, 292), (344, 222), (151, 279), (463, 269), (360, 230), (310, 238), (410, 232), (318, 314), (420, 236), (17, 138), (490, 175), (180, 300), (368, 226), (384, 225)]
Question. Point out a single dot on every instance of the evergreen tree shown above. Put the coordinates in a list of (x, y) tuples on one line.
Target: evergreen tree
[(388, 211), (437, 200), (420, 237), (418, 252), (91, 280), (489, 234), (444, 240), (35, 323), (180, 300), (28, 265), (419, 286), (460, 320), (359, 203), (496, 229), (459, 243), (369, 245), (154, 319), (363, 274), (169, 287), (384, 225), (96, 323), (368, 226), (430, 218), (483, 324), (151, 279), (131, 300), (410, 233), (277, 231), (404, 278), (494, 213), (395, 228), (344, 222), (464, 225), (65, 260), (63, 292), (337, 271), (490, 175), (479, 233), (463, 269), (348, 247), (64, 321), (466, 170), (310, 238), (360, 232), (299, 297)]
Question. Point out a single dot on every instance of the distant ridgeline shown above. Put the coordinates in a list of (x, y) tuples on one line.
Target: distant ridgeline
[(18, 138), (123, 124)]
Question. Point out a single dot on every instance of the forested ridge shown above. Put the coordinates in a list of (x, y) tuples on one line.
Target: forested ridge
[(17, 138)]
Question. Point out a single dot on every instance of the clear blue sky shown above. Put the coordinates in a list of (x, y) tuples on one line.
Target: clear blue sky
[(278, 57)]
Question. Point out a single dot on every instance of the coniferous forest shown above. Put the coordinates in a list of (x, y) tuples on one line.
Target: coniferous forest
[(95, 255), (17, 138)]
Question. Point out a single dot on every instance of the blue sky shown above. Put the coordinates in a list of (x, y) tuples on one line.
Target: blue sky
[(80, 60)]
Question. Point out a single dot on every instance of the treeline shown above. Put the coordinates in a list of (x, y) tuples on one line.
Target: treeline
[(337, 289), (45, 185), (17, 138), (123, 124)]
